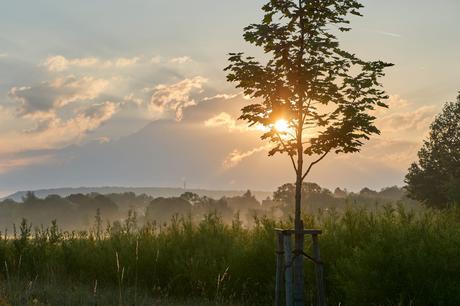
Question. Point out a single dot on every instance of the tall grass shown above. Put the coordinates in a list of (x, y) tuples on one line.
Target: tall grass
[(393, 257)]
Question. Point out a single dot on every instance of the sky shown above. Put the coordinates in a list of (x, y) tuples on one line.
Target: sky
[(104, 93)]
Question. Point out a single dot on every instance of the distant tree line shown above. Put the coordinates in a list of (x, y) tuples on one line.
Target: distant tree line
[(79, 211)]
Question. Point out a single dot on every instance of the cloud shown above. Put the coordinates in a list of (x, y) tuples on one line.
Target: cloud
[(8, 164), (225, 120), (393, 154), (222, 96), (59, 63), (418, 120), (389, 34), (57, 132), (156, 59), (175, 97), (103, 139), (404, 119), (2, 54), (49, 123), (132, 98), (43, 100), (125, 61), (180, 60), (236, 156)]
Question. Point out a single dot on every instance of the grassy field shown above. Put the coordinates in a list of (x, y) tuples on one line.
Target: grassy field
[(390, 257)]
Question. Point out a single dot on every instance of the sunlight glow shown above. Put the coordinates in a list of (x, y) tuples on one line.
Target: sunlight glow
[(281, 126)]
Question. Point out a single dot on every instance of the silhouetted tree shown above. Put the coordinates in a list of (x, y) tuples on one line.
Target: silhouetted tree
[(393, 192), (323, 93), (286, 193), (29, 197), (435, 179), (246, 201), (313, 196), (339, 193), (191, 197), (367, 192), (162, 209)]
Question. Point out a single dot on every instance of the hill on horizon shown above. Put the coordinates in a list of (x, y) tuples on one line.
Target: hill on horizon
[(151, 191)]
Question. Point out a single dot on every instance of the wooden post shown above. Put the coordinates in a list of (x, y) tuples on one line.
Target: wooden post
[(298, 266), (288, 266), (320, 294), (279, 268)]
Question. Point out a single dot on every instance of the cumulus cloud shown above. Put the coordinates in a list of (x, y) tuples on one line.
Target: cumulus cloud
[(175, 97), (132, 98), (57, 132), (180, 60), (42, 100), (47, 122), (60, 63)]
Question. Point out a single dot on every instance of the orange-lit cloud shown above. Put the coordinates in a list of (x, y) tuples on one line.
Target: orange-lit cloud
[(60, 63), (222, 96), (236, 156), (175, 97), (57, 132), (42, 100), (225, 120)]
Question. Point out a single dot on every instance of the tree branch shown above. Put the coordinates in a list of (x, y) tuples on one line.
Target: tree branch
[(285, 148), (314, 163)]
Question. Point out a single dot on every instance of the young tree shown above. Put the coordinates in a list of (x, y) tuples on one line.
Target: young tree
[(435, 179), (312, 97)]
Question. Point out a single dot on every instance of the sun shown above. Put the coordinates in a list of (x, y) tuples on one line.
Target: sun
[(281, 125)]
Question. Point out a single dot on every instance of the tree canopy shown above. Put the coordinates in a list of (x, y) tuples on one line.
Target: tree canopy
[(435, 178), (322, 92)]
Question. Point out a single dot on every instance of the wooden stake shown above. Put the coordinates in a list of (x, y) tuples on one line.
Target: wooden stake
[(320, 294), (288, 266), (279, 268), (298, 266)]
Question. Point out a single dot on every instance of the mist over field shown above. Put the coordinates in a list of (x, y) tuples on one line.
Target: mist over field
[(77, 208)]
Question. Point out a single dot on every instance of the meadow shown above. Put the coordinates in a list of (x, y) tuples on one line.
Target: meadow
[(390, 256)]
